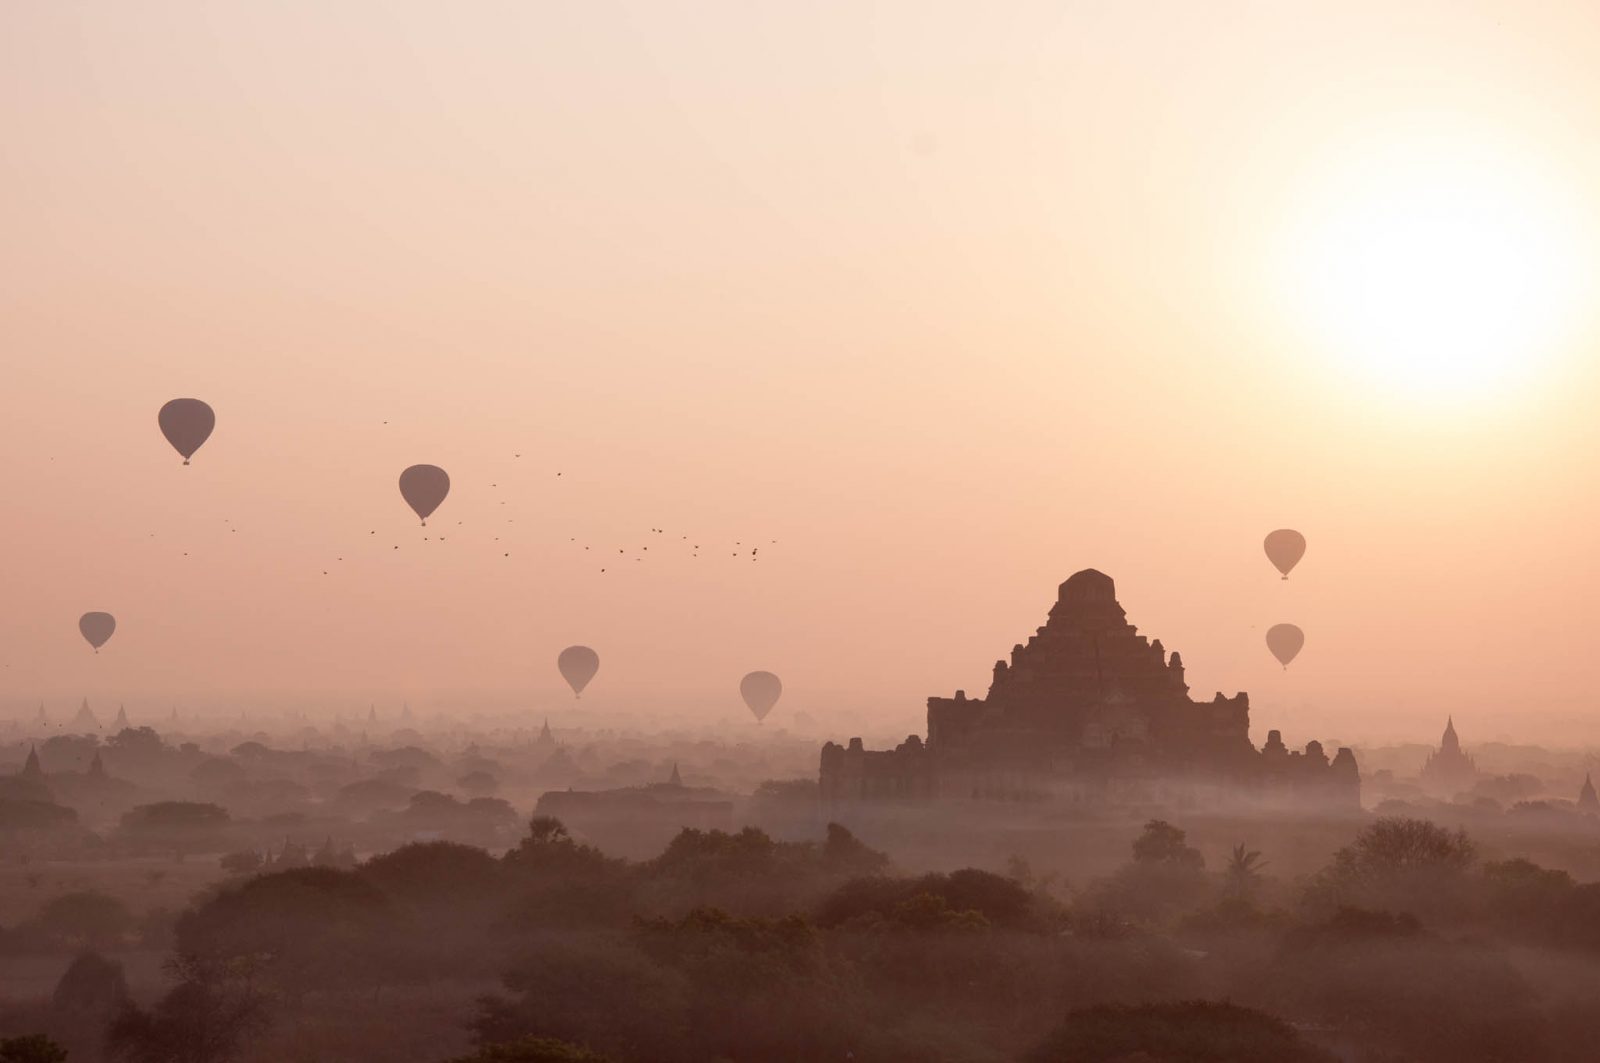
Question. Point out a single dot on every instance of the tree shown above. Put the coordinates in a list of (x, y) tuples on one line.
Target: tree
[(1408, 993), (1400, 863), (551, 849), (18, 815), (137, 742), (444, 879), (965, 899), (1196, 1031), (205, 1018), (181, 826), (478, 784), (309, 927), (1162, 843), (243, 862), (600, 992), (532, 1050), (1166, 876), (86, 918), (91, 990), (1396, 844), (36, 1048), (1243, 872), (846, 853)]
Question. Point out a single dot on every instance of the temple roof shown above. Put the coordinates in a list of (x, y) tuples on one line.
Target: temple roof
[(1089, 583)]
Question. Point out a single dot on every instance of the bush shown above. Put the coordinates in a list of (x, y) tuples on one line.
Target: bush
[(1196, 1031), (532, 1050), (86, 918), (36, 1048)]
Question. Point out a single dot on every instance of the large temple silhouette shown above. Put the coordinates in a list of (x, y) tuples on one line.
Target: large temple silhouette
[(1088, 711)]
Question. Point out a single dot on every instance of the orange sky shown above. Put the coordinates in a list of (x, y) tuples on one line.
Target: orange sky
[(949, 304)]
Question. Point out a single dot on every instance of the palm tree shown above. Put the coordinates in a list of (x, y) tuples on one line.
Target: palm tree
[(1243, 870)]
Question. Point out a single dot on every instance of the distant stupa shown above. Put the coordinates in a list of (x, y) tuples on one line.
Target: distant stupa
[(31, 767), (121, 723), (545, 737), (85, 719), (676, 780), (97, 767), (1449, 768), (372, 714), (405, 711), (43, 717), (1588, 800)]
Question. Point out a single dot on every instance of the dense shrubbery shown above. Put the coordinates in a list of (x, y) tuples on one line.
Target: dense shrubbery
[(740, 946), (1196, 1031)]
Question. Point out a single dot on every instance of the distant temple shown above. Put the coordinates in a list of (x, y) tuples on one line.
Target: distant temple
[(1088, 711), (1449, 768), (638, 821), (85, 720), (1588, 800)]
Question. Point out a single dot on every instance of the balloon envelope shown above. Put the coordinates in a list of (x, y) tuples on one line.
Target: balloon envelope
[(1285, 640), (1285, 547), (187, 423), (760, 691), (424, 487), (97, 628), (578, 665)]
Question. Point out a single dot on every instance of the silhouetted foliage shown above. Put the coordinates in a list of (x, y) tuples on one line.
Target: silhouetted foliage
[(1189, 1032), (846, 854), (1162, 843), (34, 1048), (966, 899), (1382, 976), (91, 989), (34, 815), (309, 927), (599, 991), (1400, 863), (205, 1018), (178, 826), (1165, 877), (85, 918), (532, 1050)]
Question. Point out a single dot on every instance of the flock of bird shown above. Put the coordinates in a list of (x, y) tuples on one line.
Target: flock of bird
[(188, 423)]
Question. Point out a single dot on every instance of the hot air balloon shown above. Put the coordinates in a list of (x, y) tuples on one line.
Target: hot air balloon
[(187, 423), (97, 628), (578, 665), (1285, 547), (1285, 640), (760, 691), (424, 487)]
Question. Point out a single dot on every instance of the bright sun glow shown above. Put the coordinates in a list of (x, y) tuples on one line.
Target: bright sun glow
[(1438, 272)]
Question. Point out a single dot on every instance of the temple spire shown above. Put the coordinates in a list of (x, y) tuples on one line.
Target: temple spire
[(676, 780), (1588, 800)]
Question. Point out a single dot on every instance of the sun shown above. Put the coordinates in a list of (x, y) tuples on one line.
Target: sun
[(1435, 271)]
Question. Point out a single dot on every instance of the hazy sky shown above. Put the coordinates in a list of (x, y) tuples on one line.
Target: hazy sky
[(951, 300)]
